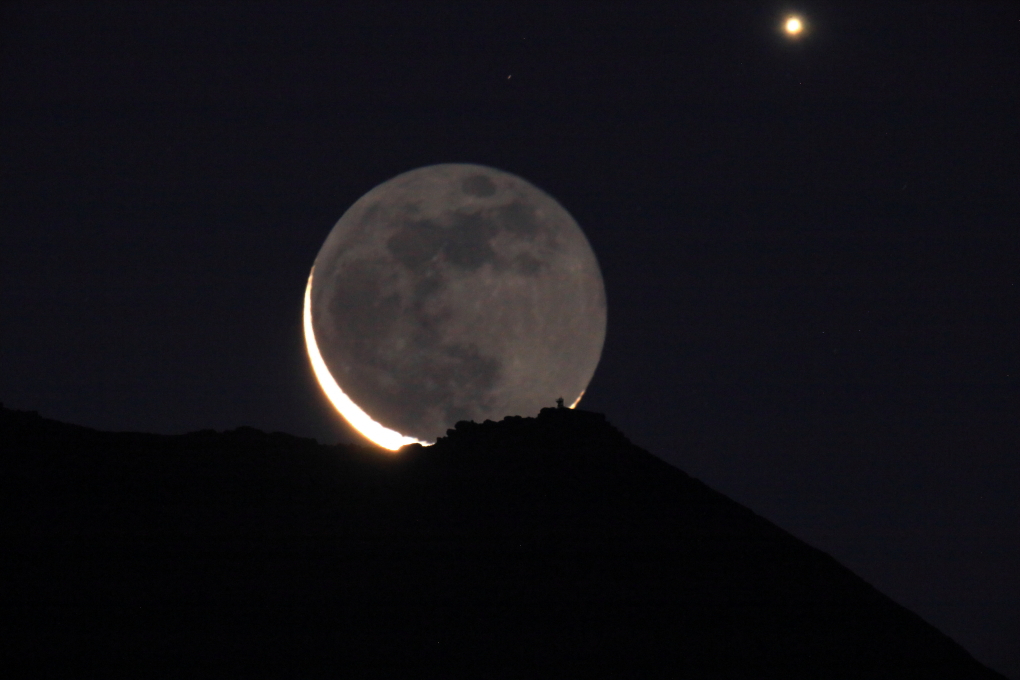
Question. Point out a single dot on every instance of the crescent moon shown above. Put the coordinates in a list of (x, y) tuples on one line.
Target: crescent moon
[(361, 421), (452, 292)]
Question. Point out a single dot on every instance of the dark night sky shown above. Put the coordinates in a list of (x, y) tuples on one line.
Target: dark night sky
[(810, 248)]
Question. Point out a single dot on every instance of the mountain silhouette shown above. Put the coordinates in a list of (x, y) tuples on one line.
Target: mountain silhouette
[(532, 547)]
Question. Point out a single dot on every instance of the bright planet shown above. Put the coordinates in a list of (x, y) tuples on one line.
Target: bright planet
[(452, 292), (794, 26)]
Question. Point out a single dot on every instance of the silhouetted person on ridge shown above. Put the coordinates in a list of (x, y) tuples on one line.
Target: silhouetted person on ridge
[(559, 403)]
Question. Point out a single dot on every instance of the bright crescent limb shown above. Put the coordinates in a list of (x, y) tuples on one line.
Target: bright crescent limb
[(578, 400), (383, 436)]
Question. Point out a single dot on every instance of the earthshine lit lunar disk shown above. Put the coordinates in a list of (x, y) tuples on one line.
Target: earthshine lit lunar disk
[(452, 292)]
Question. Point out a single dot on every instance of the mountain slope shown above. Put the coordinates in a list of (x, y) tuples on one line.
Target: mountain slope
[(546, 546)]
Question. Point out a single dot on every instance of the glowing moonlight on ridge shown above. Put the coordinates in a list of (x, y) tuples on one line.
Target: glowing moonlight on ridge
[(452, 292)]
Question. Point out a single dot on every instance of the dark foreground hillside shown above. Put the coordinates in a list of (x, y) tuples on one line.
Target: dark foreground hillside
[(546, 546)]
